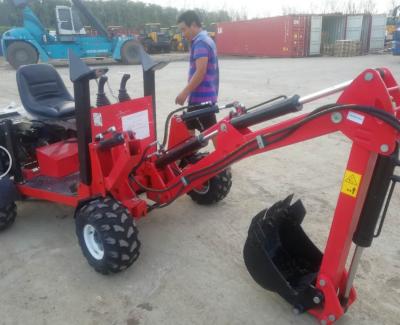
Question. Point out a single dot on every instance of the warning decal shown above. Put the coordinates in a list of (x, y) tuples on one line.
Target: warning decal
[(351, 183)]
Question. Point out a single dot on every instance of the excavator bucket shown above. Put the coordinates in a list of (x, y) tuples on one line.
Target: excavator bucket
[(281, 258)]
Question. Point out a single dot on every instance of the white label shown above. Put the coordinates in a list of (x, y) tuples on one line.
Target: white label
[(356, 118), (219, 31), (97, 119), (138, 123)]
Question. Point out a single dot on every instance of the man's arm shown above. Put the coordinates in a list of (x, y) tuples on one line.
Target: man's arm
[(195, 81)]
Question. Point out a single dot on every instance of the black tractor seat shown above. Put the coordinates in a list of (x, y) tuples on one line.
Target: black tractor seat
[(43, 93)]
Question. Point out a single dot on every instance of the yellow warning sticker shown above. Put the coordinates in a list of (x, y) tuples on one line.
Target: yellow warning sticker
[(351, 183)]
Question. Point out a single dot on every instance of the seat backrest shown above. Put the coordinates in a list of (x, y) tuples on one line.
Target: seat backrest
[(37, 82)]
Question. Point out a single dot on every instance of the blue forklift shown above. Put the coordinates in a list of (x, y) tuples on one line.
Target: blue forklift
[(33, 42)]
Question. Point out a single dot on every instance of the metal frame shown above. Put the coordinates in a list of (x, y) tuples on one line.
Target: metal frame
[(127, 169)]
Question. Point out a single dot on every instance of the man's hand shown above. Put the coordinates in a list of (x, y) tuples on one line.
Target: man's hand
[(201, 70), (181, 98)]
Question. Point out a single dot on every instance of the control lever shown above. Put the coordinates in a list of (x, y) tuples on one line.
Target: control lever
[(102, 99), (123, 95), (115, 140), (100, 136)]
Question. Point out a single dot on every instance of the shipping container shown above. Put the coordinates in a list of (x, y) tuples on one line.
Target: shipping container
[(378, 32), (365, 34), (333, 29), (368, 30), (315, 35), (302, 35), (284, 36), (358, 29)]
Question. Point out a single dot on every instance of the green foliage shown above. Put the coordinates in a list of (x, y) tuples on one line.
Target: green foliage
[(8, 15), (4, 29), (124, 13)]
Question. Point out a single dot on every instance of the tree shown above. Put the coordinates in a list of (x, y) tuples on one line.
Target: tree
[(289, 10), (124, 13), (364, 6)]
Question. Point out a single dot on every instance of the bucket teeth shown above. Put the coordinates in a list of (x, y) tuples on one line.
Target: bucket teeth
[(281, 211)]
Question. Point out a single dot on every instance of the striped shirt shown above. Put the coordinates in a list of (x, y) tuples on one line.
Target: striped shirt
[(203, 46)]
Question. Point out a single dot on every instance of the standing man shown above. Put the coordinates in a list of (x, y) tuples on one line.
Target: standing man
[(203, 84)]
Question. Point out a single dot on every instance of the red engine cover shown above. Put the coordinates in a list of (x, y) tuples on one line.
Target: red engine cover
[(58, 159)]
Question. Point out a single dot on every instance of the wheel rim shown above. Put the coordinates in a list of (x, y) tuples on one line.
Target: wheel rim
[(202, 189), (93, 242), (22, 56), (132, 52)]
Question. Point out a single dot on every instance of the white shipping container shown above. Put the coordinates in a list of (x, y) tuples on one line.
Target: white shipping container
[(378, 30), (315, 35), (358, 29), (354, 28)]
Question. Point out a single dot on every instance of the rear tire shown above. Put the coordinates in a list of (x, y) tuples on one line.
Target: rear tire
[(21, 53), (107, 235), (214, 190), (129, 53), (7, 216)]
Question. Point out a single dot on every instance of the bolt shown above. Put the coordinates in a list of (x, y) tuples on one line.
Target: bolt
[(296, 311), (384, 148), (336, 117), (368, 76), (322, 282), (317, 300), (224, 127), (332, 318), (324, 322)]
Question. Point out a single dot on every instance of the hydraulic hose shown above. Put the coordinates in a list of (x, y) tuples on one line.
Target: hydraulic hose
[(251, 145)]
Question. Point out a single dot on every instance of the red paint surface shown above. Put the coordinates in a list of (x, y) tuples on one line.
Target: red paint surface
[(284, 36)]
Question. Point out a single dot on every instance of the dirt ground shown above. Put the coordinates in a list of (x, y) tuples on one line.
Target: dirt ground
[(191, 269)]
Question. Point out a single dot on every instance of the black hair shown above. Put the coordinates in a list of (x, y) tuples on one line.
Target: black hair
[(189, 17)]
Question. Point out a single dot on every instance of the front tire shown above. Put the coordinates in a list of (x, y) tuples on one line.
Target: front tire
[(7, 216), (107, 235), (21, 53)]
